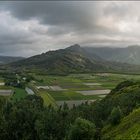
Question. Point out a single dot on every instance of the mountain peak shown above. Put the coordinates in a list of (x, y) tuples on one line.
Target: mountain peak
[(74, 47)]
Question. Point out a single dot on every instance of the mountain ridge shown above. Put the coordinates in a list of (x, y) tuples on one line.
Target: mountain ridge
[(128, 54), (9, 59), (73, 59)]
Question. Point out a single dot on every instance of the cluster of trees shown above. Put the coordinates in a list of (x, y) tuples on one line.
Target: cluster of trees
[(11, 79), (28, 119), (14, 82)]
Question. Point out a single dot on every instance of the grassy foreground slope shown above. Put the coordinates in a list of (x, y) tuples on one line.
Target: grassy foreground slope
[(129, 128)]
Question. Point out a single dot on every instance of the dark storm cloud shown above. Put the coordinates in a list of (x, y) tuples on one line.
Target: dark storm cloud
[(67, 16), (53, 13), (40, 26)]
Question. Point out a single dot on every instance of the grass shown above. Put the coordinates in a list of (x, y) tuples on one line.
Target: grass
[(70, 95), (5, 87), (65, 95), (1, 80), (48, 100), (19, 94)]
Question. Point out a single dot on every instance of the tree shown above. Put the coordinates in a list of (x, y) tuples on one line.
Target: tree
[(82, 130), (115, 116)]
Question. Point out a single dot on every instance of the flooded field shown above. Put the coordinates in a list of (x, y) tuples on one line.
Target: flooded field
[(29, 91), (102, 96), (94, 92), (6, 92), (42, 87), (73, 102), (56, 88), (53, 88), (2, 83), (92, 84)]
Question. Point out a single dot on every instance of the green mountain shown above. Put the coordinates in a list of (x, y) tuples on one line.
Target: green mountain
[(9, 59), (73, 59), (124, 55)]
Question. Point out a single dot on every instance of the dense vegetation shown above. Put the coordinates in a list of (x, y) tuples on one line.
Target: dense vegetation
[(129, 128), (28, 119)]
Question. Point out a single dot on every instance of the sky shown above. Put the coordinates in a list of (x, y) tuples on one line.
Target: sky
[(32, 27)]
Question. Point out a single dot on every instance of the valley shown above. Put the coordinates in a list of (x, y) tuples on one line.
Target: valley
[(73, 89), (68, 86), (69, 70)]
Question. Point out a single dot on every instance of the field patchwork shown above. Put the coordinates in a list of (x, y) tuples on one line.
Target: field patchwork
[(73, 88)]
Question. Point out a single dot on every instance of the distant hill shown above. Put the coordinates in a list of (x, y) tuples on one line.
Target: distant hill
[(9, 59), (73, 59), (129, 54)]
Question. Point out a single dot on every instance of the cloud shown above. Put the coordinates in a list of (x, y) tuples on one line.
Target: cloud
[(29, 28)]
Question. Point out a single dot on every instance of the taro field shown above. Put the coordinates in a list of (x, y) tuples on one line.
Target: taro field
[(75, 89)]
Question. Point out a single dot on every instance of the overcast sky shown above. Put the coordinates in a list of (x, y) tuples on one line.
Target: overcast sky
[(29, 28)]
